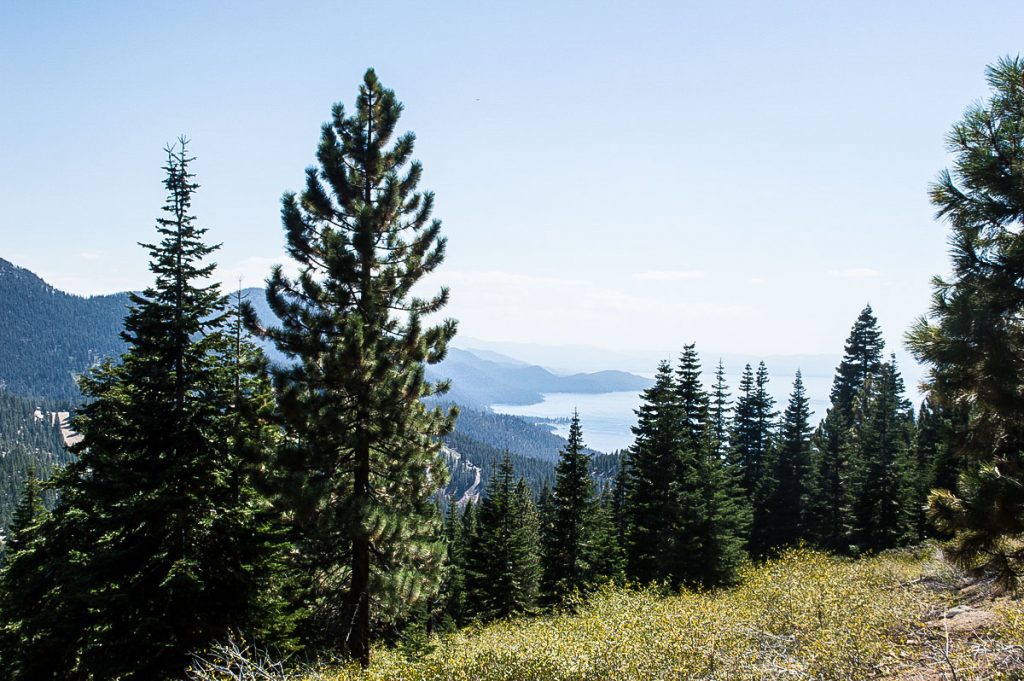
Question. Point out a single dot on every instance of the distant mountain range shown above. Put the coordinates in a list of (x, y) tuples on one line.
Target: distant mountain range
[(478, 381), (47, 337)]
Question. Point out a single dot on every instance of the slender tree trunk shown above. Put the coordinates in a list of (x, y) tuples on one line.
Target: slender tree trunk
[(359, 594)]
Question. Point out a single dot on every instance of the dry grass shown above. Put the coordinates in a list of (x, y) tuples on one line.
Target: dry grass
[(803, 616)]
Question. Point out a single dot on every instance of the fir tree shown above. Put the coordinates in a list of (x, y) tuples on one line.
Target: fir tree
[(764, 416), (455, 582), (835, 444), (363, 460), (830, 494), (784, 489), (683, 509), (652, 500), (619, 498), (549, 548), (469, 525), (27, 514), (862, 359), (155, 549), (579, 535), (713, 511), (725, 523), (571, 504), (933, 465), (938, 429), (503, 561), (693, 400), (720, 407), (759, 446), (603, 553), (884, 503), (19, 585), (751, 434), (546, 528)]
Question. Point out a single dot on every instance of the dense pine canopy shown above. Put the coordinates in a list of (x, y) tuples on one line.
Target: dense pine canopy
[(973, 337), (362, 461)]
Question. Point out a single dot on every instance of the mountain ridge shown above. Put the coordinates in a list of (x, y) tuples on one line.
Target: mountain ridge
[(48, 336)]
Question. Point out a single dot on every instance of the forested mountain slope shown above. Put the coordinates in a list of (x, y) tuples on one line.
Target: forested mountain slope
[(29, 438), (48, 336), (471, 463)]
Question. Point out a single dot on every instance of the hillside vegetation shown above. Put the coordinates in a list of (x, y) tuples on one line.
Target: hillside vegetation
[(47, 337), (806, 615), (29, 441)]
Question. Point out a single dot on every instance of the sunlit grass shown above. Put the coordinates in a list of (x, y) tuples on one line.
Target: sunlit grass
[(803, 616)]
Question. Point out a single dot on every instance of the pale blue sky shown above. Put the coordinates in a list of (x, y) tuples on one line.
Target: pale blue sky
[(622, 175)]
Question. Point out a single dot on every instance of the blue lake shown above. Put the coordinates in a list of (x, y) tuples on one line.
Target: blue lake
[(606, 417)]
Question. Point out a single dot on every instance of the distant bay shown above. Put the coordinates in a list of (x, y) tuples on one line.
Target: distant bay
[(607, 418)]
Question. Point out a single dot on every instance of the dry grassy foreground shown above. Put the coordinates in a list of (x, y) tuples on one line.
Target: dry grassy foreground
[(804, 616)]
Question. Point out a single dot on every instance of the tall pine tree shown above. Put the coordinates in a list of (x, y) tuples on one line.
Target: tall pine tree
[(830, 493), (363, 461), (578, 531), (19, 583), (935, 467), (973, 338), (693, 400), (714, 510), (751, 432), (720, 409), (764, 415), (684, 511), (835, 445), (455, 581)]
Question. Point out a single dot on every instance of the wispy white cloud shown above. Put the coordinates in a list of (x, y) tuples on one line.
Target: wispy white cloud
[(669, 275), (91, 256), (854, 273)]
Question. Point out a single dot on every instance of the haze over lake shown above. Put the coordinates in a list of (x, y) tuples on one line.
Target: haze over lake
[(607, 418)]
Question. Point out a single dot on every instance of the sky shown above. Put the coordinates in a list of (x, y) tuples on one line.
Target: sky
[(627, 176)]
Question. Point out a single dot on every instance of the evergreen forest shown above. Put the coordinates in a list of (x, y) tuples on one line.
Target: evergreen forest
[(289, 480)]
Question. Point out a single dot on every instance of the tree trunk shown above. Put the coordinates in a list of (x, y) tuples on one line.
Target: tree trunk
[(359, 593)]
